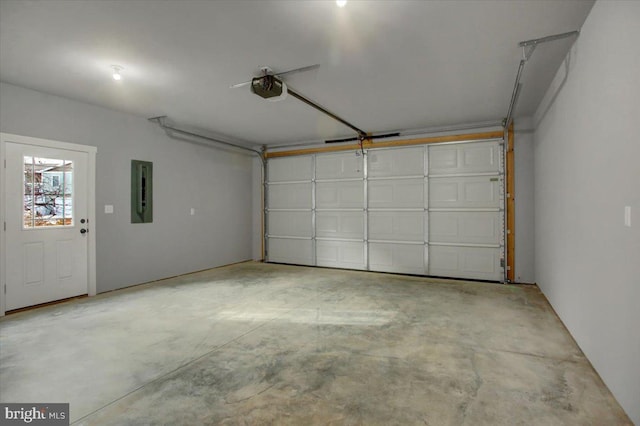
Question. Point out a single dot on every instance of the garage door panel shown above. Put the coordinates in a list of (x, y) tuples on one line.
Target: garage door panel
[(480, 192), (340, 254), (285, 250), (340, 225), (397, 226), (465, 227), (339, 166), (290, 224), (290, 169), (464, 192), (339, 195), (396, 162), (290, 196), (478, 157), (465, 262), (401, 258), (443, 159), (396, 193), (443, 192)]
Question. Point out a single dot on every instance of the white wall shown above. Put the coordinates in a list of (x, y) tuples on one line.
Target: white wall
[(217, 183), (587, 168)]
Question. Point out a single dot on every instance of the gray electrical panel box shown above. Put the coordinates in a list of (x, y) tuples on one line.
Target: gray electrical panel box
[(141, 191)]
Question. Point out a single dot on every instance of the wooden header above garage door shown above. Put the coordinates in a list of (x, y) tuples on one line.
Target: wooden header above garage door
[(394, 143)]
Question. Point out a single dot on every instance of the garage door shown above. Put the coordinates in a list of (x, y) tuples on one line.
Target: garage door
[(427, 210)]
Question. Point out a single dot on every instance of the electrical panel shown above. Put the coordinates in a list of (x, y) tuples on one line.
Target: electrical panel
[(141, 191)]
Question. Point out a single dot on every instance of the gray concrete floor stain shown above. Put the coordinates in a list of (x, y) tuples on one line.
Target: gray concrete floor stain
[(253, 344)]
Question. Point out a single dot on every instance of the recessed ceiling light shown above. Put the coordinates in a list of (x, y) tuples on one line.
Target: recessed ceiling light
[(116, 72), (341, 3)]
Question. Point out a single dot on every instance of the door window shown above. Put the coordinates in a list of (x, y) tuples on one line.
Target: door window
[(48, 193)]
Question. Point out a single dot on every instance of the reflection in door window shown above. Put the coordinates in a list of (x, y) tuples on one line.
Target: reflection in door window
[(48, 192)]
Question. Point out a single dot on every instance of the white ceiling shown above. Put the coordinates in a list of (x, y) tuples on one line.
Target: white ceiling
[(384, 65)]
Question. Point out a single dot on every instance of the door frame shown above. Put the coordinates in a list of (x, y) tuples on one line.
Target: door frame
[(91, 204)]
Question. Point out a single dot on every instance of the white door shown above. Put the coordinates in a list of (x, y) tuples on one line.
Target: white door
[(46, 206)]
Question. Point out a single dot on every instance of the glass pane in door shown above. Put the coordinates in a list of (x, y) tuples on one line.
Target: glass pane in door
[(48, 192)]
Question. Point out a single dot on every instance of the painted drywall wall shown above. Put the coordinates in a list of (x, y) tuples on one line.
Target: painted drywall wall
[(587, 169), (216, 183), (523, 175)]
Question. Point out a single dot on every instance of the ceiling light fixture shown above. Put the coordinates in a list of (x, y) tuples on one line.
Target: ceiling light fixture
[(341, 3), (116, 72)]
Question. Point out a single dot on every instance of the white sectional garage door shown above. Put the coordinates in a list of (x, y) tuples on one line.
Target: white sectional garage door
[(427, 210)]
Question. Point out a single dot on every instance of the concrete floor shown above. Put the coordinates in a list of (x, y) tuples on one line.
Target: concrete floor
[(272, 344)]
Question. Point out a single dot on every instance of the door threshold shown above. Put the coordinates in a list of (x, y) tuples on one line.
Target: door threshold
[(44, 305)]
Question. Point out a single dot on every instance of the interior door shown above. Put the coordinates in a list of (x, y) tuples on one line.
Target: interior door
[(46, 224)]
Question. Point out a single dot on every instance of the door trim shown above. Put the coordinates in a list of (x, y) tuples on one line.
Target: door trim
[(91, 204)]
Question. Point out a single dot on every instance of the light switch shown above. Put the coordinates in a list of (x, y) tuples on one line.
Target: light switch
[(108, 209), (193, 211), (627, 216)]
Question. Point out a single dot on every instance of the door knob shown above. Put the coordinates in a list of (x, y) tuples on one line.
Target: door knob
[(83, 231)]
